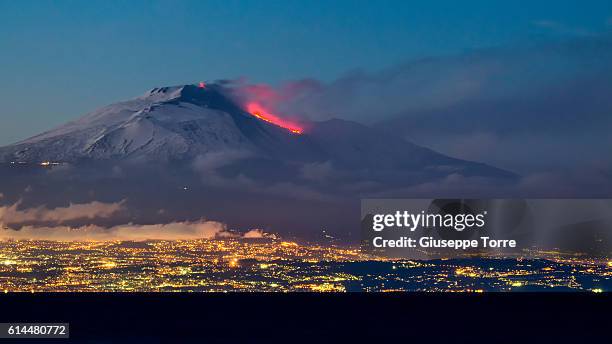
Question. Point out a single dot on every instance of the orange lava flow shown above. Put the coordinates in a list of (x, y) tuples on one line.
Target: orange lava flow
[(259, 112)]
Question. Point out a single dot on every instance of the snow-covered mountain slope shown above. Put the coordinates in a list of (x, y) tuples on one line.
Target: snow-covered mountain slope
[(179, 124), (170, 123)]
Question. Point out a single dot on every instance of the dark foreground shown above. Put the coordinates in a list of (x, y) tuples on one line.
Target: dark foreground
[(316, 318)]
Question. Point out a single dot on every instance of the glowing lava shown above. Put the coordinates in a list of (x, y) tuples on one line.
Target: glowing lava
[(202, 84), (259, 112)]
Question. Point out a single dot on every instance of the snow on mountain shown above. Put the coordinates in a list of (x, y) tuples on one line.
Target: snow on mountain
[(182, 123)]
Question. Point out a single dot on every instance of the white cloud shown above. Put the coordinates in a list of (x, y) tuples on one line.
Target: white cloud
[(86, 211), (258, 234), (187, 230), (170, 231)]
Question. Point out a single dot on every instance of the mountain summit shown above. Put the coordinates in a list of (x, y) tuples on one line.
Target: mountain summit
[(165, 124)]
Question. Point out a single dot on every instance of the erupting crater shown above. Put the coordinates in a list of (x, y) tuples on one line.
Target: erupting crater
[(258, 111)]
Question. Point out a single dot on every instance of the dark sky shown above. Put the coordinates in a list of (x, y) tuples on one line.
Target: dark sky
[(61, 59)]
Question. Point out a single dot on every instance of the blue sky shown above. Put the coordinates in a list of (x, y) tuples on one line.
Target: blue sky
[(60, 59)]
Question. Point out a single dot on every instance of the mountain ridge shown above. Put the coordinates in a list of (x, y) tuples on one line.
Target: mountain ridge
[(181, 123)]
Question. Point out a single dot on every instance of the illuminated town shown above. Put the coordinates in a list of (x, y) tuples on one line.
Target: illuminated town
[(269, 265)]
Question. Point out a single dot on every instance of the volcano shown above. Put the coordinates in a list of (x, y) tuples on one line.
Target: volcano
[(180, 123), (188, 152), (165, 124)]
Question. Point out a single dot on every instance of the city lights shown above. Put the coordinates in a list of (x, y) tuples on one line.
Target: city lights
[(219, 265)]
